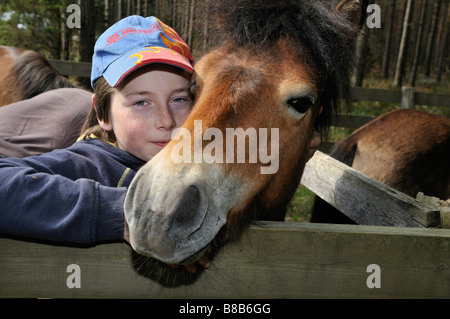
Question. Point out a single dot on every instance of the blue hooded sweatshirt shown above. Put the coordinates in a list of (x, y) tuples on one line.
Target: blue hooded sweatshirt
[(72, 195)]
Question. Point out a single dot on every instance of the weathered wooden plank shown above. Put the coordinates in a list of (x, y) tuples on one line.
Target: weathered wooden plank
[(408, 96), (273, 260), (380, 95), (395, 96), (363, 199), (432, 99), (82, 69), (352, 121)]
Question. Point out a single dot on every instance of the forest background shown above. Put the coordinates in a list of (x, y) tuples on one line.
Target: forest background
[(411, 46), (423, 56)]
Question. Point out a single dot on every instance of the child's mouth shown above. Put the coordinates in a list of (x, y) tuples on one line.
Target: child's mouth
[(161, 143)]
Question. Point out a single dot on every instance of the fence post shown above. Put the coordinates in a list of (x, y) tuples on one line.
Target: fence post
[(407, 97)]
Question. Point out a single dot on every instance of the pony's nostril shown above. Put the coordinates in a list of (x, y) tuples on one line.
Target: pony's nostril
[(189, 213)]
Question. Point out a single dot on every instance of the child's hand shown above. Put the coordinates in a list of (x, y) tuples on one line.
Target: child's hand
[(192, 268), (315, 142), (126, 233)]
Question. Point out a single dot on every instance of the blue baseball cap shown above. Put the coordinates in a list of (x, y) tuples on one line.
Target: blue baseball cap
[(134, 42)]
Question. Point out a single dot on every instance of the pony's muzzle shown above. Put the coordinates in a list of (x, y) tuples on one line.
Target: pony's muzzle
[(174, 211), (170, 226)]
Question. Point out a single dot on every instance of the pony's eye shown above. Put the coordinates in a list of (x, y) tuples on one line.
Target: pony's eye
[(300, 104)]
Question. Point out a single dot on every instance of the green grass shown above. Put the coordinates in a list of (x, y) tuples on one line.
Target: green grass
[(299, 209)]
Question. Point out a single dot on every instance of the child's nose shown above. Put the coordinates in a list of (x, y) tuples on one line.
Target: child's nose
[(165, 120)]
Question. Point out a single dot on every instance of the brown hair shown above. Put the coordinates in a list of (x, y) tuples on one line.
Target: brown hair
[(100, 109)]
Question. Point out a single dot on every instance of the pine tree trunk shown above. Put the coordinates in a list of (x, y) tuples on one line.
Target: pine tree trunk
[(191, 22), (145, 12), (431, 37), (400, 68), (106, 11), (173, 18), (440, 30), (64, 50), (119, 10), (418, 44), (139, 8), (87, 34), (387, 44), (129, 10), (443, 45), (184, 19), (205, 26), (397, 41), (362, 54)]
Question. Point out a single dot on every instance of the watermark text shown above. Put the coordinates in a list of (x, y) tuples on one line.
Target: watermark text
[(235, 146), (74, 19)]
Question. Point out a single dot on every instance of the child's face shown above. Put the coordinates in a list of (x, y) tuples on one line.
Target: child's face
[(145, 109)]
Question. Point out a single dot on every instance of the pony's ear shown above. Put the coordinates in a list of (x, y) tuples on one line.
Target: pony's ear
[(354, 11)]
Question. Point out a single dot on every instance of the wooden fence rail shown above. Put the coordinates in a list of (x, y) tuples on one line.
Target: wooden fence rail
[(69, 68), (396, 96), (274, 260), (363, 199)]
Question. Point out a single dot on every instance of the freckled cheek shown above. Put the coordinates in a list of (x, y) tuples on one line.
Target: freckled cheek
[(133, 132), (181, 116)]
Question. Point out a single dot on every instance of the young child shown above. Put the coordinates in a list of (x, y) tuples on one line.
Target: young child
[(140, 75)]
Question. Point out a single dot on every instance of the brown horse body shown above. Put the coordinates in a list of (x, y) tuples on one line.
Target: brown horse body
[(282, 64), (26, 74), (406, 149)]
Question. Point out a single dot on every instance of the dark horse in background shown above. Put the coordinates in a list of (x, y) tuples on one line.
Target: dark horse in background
[(408, 150), (25, 74)]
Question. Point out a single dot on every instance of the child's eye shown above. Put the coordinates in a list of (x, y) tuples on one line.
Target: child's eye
[(179, 100), (183, 99), (141, 103)]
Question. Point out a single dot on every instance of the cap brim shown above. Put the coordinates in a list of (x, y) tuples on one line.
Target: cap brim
[(118, 70)]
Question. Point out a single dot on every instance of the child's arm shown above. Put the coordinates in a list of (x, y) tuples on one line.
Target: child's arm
[(35, 203)]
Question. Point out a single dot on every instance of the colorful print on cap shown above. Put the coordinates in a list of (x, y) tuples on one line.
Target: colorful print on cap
[(136, 41)]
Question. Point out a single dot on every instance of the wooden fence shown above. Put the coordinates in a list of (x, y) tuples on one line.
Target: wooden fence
[(407, 98), (363, 199), (273, 259)]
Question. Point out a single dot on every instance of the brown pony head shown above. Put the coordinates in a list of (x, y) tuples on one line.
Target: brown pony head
[(278, 71)]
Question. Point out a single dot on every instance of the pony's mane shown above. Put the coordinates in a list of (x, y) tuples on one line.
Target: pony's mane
[(36, 75), (322, 37)]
